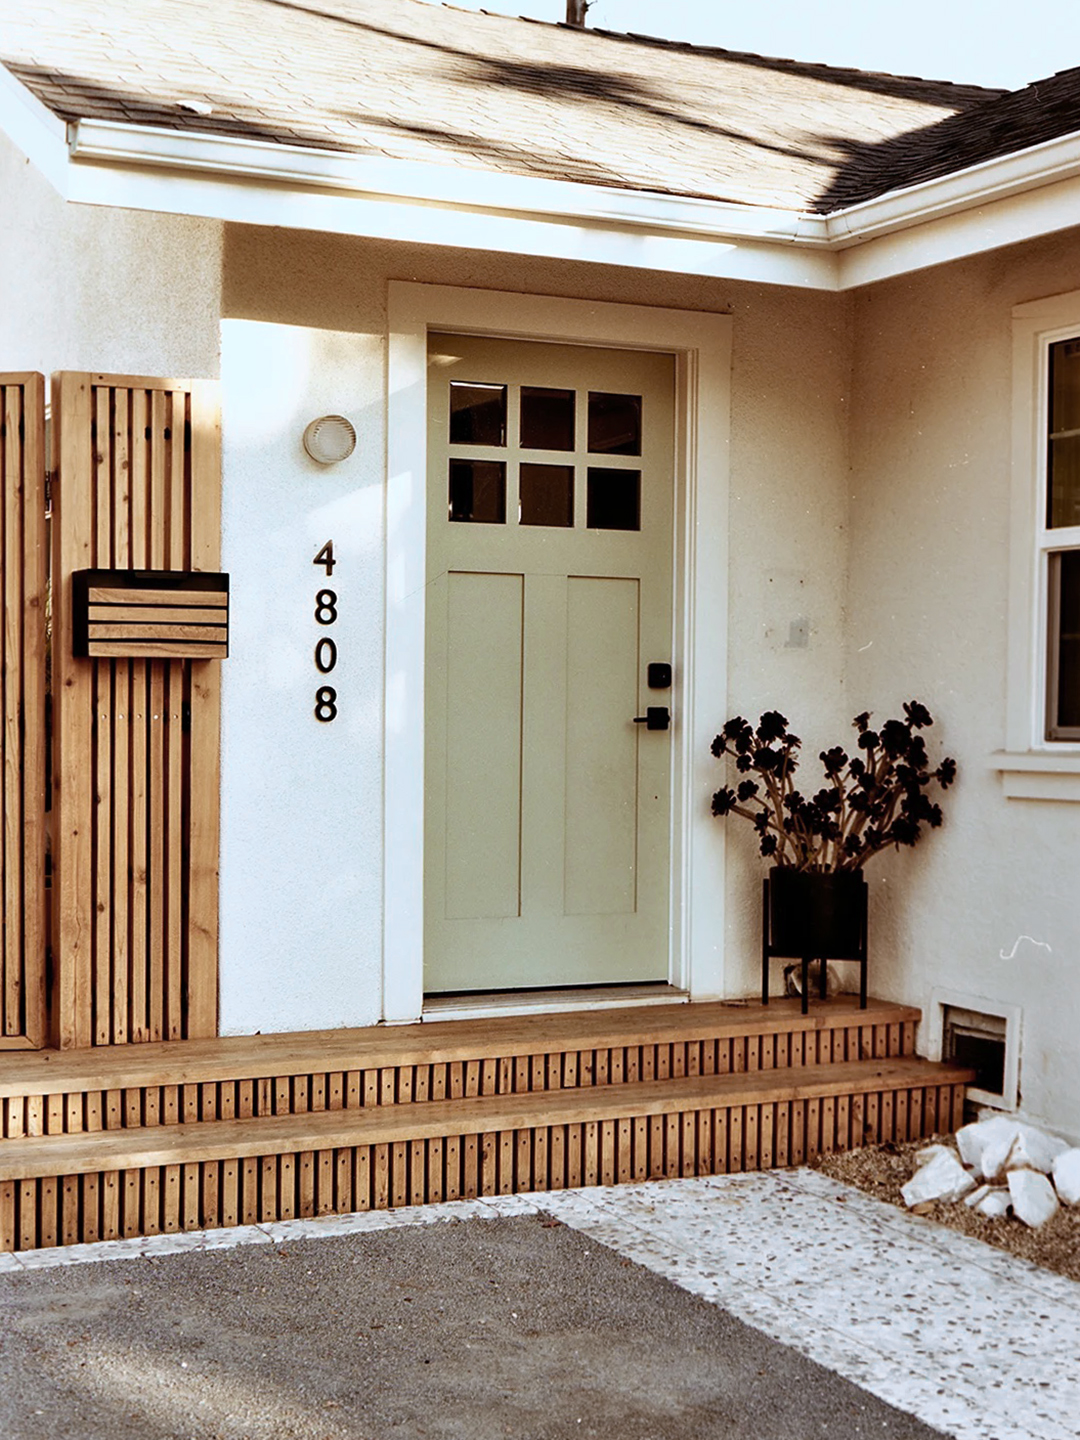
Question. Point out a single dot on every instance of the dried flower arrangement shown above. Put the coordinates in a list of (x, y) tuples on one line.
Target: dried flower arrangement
[(871, 800)]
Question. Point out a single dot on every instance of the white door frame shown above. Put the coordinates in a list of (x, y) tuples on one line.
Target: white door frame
[(702, 346)]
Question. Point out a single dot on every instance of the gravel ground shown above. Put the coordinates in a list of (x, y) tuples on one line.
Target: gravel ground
[(880, 1170)]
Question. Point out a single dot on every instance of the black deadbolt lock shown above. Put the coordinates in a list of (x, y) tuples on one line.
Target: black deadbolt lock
[(659, 673)]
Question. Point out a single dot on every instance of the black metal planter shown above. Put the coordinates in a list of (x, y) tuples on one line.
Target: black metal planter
[(808, 915)]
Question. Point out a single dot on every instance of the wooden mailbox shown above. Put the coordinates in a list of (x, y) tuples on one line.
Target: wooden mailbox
[(150, 614)]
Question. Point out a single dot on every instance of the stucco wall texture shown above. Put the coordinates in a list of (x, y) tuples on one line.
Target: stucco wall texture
[(926, 616), (94, 288)]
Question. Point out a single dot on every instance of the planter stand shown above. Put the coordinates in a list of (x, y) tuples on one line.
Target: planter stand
[(856, 952)]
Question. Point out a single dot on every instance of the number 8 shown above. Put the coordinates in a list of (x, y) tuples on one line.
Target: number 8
[(326, 701)]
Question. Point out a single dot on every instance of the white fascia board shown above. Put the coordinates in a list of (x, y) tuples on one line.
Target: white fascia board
[(988, 225), (35, 130), (339, 209), (459, 186), (977, 186)]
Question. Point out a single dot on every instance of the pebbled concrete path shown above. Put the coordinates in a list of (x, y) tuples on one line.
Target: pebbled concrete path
[(778, 1305)]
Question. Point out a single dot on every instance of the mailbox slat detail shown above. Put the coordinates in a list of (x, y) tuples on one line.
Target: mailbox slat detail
[(150, 614)]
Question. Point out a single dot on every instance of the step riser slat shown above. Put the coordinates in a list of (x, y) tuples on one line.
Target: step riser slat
[(104, 1205)]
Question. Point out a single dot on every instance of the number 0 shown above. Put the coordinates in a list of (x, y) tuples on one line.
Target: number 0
[(325, 655)]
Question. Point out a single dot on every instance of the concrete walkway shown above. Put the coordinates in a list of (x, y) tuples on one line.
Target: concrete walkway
[(401, 1324)]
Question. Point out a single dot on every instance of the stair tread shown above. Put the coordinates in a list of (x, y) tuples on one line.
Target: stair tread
[(138, 1148), (253, 1057)]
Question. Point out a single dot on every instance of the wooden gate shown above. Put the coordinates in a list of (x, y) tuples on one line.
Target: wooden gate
[(24, 567), (138, 487)]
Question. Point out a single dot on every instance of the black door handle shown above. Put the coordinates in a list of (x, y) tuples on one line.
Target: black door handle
[(656, 717)]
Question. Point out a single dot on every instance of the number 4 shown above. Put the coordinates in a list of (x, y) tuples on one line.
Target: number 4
[(326, 557)]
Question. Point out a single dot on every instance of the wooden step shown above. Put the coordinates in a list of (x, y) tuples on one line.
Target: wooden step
[(65, 1188), (77, 1154), (110, 1088), (378, 1047)]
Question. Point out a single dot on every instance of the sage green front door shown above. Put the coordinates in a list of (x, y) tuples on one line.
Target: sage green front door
[(549, 593)]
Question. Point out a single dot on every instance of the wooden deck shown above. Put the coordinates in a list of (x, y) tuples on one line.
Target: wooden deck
[(185, 1135)]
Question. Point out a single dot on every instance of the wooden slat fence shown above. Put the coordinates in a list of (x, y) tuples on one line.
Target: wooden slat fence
[(24, 571), (137, 774)]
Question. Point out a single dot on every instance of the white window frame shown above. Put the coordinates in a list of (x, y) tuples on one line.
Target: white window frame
[(701, 344), (1031, 766)]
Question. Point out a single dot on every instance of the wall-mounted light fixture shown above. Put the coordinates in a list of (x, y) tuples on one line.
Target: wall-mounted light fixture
[(330, 439)]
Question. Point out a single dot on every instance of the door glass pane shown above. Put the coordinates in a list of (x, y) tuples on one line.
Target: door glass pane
[(547, 495), (1065, 644), (477, 413), (1063, 450), (547, 418), (613, 500), (478, 491), (614, 424)]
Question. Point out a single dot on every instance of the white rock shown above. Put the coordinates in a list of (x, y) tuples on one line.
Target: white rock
[(1034, 1150), (1033, 1198), (995, 1156), (1067, 1176), (972, 1140), (1006, 1144), (931, 1152), (995, 1203), (977, 1195), (942, 1178)]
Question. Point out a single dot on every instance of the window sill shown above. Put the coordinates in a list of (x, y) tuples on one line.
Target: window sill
[(1038, 774)]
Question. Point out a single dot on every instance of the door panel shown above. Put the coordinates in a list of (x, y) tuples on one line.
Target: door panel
[(483, 771), (601, 749), (550, 539)]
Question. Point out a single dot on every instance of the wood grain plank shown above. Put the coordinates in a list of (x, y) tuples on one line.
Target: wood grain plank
[(205, 737), (72, 713), (251, 1056)]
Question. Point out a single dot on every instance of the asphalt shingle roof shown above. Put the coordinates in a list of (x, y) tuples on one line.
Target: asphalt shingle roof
[(416, 81)]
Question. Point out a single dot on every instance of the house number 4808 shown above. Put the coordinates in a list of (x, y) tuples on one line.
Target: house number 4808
[(326, 613)]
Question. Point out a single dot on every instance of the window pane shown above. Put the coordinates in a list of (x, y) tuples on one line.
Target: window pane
[(613, 500), (1064, 386), (614, 424), (547, 418), (547, 495), (1064, 643), (1063, 449), (477, 413), (478, 491), (1064, 481)]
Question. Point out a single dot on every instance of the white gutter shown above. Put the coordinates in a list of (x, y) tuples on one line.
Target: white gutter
[(459, 186), (114, 142), (978, 185)]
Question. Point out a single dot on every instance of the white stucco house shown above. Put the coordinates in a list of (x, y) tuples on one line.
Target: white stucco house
[(654, 355)]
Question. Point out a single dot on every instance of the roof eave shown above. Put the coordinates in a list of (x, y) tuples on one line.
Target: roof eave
[(236, 178)]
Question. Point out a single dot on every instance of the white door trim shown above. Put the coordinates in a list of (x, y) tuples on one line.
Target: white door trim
[(702, 345)]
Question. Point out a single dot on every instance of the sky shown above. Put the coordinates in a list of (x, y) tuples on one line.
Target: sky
[(985, 42)]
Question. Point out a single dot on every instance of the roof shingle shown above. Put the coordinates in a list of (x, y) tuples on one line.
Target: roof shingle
[(416, 81)]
